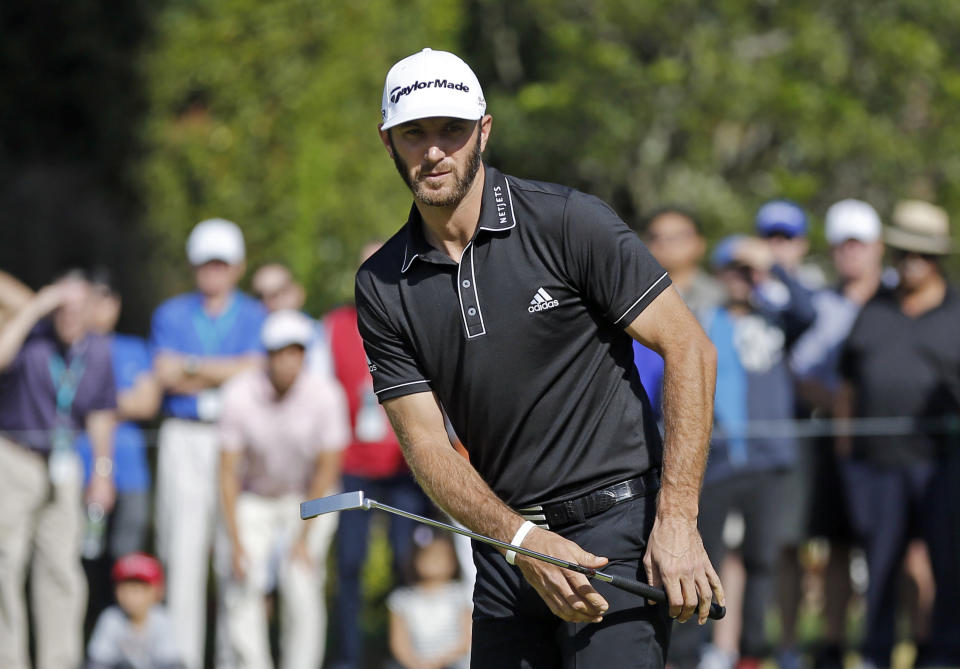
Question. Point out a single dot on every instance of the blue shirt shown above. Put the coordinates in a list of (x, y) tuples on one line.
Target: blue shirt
[(131, 358), (754, 384), (180, 325)]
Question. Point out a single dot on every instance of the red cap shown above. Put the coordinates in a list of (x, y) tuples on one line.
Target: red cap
[(138, 567)]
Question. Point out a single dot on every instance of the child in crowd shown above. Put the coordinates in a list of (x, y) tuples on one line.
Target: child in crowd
[(430, 620), (135, 634)]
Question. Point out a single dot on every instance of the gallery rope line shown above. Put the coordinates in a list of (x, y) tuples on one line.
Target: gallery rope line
[(887, 426)]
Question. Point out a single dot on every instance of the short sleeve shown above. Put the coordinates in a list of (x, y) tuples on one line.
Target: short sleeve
[(254, 315), (163, 330), (333, 420), (398, 601), (230, 424), (390, 357), (608, 262), (103, 393), (131, 360)]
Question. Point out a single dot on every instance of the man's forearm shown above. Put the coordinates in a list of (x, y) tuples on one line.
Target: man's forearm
[(142, 401), (326, 472), (15, 331), (188, 375), (229, 489), (451, 481), (688, 390), (100, 427)]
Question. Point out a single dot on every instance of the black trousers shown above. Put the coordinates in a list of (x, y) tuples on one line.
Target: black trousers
[(514, 629)]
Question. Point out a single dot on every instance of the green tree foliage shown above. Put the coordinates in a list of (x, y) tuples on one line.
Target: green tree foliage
[(265, 113), (722, 105)]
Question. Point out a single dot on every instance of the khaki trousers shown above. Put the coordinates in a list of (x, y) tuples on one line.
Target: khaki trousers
[(40, 525), (268, 527)]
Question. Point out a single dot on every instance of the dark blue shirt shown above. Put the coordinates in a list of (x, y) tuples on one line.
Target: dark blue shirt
[(28, 389), (180, 325)]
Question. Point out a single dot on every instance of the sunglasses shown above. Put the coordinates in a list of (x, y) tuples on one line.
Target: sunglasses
[(899, 255)]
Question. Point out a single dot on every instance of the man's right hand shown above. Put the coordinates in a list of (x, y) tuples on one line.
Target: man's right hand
[(568, 594), (46, 300), (239, 562)]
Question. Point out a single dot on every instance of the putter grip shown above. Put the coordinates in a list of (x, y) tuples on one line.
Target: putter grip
[(656, 594)]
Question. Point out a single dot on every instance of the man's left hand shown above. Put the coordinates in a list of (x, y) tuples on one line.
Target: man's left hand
[(300, 553), (101, 491), (677, 562)]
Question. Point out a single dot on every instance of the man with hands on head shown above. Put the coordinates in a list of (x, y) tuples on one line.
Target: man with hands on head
[(56, 378), (511, 304)]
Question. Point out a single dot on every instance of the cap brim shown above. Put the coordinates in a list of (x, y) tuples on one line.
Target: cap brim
[(911, 241), (430, 112), (203, 260)]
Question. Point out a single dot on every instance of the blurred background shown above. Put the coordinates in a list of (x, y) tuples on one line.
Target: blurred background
[(123, 124)]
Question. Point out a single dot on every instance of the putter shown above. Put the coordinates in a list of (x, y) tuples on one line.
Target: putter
[(350, 501)]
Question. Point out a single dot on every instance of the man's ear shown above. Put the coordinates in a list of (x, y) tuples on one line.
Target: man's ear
[(385, 139), (486, 122)]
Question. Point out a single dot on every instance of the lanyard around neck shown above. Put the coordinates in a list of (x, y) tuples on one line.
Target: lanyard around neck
[(213, 330), (66, 379)]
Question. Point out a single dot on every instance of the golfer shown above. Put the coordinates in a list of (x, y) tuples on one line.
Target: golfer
[(511, 304)]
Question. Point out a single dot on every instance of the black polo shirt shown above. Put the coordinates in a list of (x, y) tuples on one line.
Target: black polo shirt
[(903, 366), (523, 341)]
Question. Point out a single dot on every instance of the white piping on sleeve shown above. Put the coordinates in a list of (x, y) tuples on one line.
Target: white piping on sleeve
[(640, 299), (399, 385)]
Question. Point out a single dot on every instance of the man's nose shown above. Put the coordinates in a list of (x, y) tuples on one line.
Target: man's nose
[(434, 153)]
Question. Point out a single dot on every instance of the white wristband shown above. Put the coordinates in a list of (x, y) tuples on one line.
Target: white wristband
[(518, 539)]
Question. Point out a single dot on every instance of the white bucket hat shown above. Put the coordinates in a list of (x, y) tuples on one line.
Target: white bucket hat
[(920, 227)]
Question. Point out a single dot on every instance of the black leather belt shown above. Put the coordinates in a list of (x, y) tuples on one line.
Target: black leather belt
[(559, 514)]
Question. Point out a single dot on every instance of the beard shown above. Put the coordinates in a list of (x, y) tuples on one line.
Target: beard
[(432, 198)]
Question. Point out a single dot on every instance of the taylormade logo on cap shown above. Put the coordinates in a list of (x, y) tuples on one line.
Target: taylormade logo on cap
[(399, 92), (430, 83)]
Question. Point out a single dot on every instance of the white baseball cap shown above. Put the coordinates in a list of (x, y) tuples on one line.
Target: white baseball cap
[(215, 239), (430, 83), (286, 327), (852, 219)]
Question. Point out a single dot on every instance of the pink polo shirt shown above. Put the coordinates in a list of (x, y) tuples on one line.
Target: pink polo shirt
[(280, 438)]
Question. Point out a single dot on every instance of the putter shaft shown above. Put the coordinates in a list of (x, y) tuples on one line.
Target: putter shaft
[(643, 589)]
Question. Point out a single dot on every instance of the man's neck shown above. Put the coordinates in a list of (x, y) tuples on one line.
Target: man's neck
[(923, 298), (215, 304), (450, 229), (862, 288)]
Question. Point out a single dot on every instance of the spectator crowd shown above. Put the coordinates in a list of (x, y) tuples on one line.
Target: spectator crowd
[(259, 406)]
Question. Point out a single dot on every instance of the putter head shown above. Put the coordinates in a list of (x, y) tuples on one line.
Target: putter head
[(346, 501)]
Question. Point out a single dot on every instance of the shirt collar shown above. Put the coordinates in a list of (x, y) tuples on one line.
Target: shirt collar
[(496, 215)]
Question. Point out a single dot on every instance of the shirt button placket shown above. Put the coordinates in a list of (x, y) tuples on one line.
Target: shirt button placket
[(468, 295)]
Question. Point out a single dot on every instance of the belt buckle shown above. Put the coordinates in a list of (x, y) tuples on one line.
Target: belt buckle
[(606, 500)]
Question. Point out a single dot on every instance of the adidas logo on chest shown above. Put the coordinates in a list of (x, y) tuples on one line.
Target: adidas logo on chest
[(542, 301)]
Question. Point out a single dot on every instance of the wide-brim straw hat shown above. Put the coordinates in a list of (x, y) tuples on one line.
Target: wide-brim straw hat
[(920, 227)]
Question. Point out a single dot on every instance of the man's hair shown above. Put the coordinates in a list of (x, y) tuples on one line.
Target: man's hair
[(648, 219), (101, 277)]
